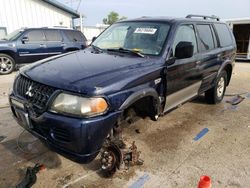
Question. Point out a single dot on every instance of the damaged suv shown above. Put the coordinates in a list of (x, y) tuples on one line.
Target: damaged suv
[(76, 102)]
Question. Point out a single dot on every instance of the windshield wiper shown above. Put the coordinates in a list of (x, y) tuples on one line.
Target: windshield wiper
[(125, 50), (96, 48)]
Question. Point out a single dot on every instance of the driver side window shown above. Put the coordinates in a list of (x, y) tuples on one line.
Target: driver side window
[(185, 33)]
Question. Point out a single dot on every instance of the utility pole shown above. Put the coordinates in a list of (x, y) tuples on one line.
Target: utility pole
[(81, 16), (77, 10)]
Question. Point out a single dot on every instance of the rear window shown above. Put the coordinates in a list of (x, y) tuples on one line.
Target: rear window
[(223, 34), (53, 35), (205, 37), (74, 36)]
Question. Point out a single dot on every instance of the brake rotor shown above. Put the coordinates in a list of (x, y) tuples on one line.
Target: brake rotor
[(111, 159)]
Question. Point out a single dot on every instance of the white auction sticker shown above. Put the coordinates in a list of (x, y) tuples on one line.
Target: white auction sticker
[(150, 31)]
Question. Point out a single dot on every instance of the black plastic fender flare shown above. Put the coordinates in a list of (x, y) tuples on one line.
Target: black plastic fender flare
[(148, 92), (224, 64)]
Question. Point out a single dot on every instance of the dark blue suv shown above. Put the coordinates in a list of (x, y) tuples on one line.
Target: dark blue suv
[(29, 45), (78, 102)]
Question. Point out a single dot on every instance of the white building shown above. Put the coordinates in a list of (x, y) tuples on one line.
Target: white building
[(92, 31), (15, 14)]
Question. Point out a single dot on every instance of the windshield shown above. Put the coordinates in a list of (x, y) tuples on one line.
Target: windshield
[(13, 35), (144, 37)]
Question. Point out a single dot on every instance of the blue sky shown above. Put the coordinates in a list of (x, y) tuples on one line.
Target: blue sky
[(96, 10)]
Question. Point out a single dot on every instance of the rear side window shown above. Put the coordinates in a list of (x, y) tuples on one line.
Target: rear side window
[(205, 37), (185, 33), (35, 35), (74, 36), (223, 34), (53, 35)]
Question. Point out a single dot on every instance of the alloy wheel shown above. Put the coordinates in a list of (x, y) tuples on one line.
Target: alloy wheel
[(6, 65)]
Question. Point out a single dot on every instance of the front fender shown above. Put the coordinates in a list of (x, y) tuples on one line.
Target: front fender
[(9, 49)]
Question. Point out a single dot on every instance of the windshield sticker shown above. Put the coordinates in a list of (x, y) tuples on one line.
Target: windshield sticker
[(150, 31)]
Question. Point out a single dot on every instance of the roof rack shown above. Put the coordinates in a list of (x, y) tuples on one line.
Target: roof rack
[(202, 16)]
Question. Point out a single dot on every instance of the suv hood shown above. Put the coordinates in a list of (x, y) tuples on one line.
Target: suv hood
[(87, 72)]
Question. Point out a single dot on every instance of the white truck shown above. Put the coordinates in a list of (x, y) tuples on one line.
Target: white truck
[(241, 30)]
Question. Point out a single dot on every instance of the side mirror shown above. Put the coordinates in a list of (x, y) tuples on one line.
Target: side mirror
[(184, 50), (25, 39), (93, 39), (170, 61)]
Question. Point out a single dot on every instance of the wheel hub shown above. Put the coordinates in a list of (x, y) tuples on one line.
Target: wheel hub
[(112, 157), (108, 160), (3, 65)]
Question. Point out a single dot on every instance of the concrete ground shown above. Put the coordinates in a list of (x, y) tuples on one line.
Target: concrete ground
[(171, 156)]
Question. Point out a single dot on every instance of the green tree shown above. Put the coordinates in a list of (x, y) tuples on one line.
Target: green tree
[(112, 18)]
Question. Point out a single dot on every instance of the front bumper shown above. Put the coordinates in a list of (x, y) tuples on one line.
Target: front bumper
[(77, 139)]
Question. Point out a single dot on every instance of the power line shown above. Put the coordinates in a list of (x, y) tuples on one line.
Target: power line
[(78, 5), (71, 2)]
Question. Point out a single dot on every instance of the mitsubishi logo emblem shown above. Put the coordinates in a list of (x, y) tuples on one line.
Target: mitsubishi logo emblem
[(28, 93)]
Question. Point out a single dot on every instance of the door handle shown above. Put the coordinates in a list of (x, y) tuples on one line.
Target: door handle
[(198, 62), (43, 45), (63, 44)]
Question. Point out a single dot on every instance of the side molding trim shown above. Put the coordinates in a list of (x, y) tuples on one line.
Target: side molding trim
[(181, 96)]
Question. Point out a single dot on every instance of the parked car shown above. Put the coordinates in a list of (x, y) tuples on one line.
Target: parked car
[(77, 102), (29, 45)]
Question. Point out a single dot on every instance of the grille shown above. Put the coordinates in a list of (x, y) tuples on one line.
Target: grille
[(56, 133), (61, 134), (35, 93)]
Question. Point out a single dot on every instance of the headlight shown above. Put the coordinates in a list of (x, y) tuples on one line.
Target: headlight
[(80, 106)]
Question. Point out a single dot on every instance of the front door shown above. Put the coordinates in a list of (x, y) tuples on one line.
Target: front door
[(183, 77), (32, 46)]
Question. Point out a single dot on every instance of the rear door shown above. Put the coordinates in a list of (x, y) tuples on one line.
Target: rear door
[(54, 42), (183, 79), (209, 54), (33, 48)]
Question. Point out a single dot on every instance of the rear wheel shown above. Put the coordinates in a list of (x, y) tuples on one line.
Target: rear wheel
[(216, 94), (7, 64)]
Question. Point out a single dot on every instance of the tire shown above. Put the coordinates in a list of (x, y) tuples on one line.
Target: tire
[(7, 64), (216, 94)]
